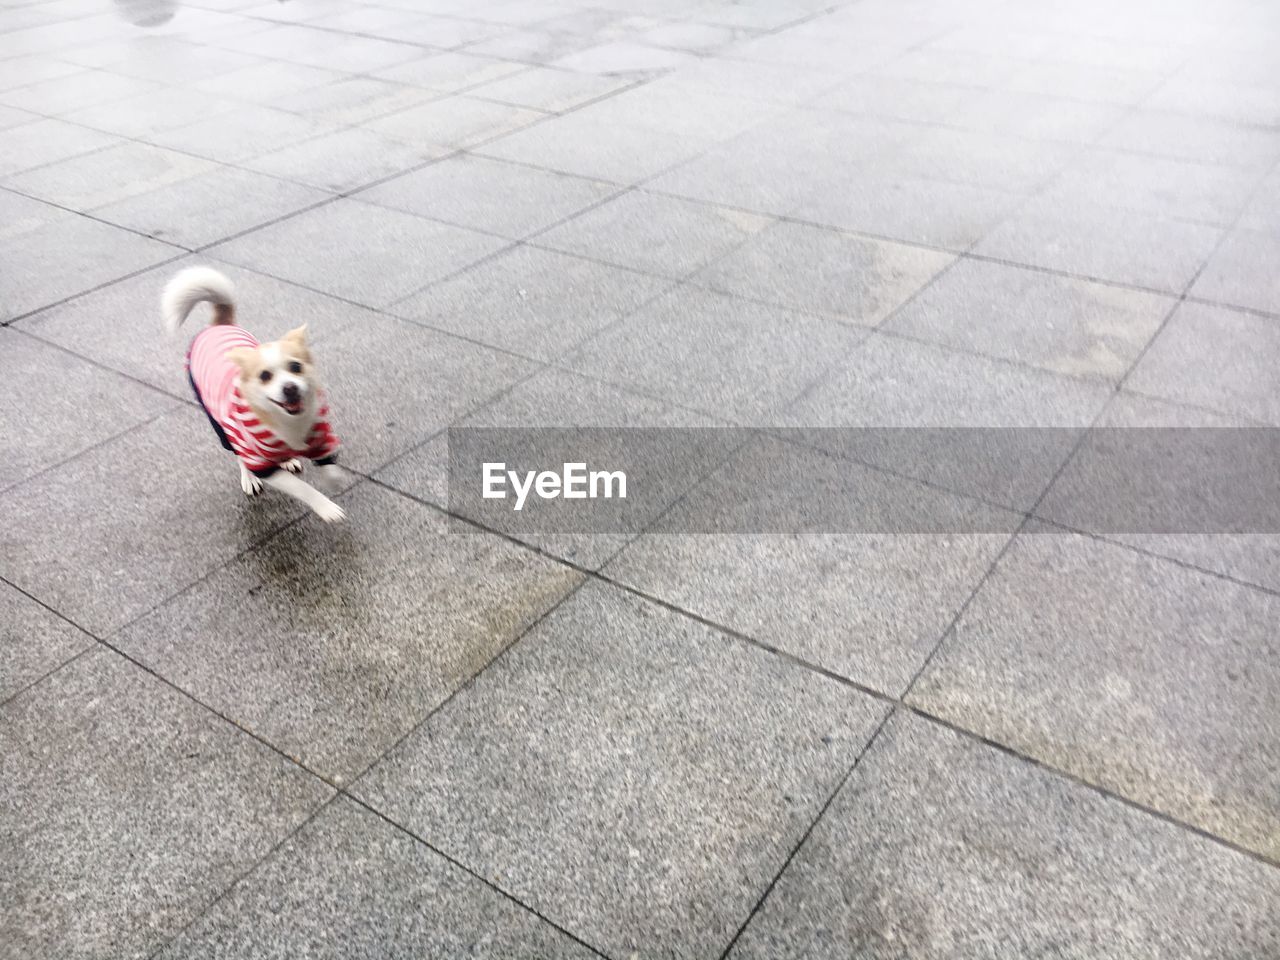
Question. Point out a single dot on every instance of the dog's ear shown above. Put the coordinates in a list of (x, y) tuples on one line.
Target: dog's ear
[(246, 358), (297, 335), (297, 341)]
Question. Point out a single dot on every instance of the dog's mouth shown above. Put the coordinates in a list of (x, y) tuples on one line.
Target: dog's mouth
[(291, 407)]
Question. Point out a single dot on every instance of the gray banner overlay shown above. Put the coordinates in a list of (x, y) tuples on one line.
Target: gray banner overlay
[(865, 480)]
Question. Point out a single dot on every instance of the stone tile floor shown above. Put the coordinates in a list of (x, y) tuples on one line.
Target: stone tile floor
[(229, 731)]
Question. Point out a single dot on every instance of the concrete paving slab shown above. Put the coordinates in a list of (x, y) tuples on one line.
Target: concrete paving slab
[(939, 214), (856, 592), (994, 161), (556, 398), (546, 88), (621, 153), (761, 366), (1035, 116), (119, 326), (47, 141), (1184, 190), (624, 58), (34, 641), (481, 194), (24, 71), (824, 271), (1056, 323), (454, 122), (940, 844), (398, 253), (1195, 138), (157, 491), (51, 255), (889, 382), (781, 160), (392, 384), (1100, 691), (1217, 358), (1262, 212), (79, 405), (128, 809), (896, 98), (110, 175), (351, 99), (267, 81), (350, 884), (531, 301), (248, 131), (533, 47), (672, 109), (1101, 243), (209, 207), (344, 160), (449, 72), (11, 117), (661, 235), (169, 60), (151, 112), (332, 658), (60, 95), (693, 773), (1099, 481), (1238, 272)]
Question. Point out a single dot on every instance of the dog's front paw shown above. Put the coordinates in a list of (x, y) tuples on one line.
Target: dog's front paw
[(293, 466), (330, 512), (250, 484)]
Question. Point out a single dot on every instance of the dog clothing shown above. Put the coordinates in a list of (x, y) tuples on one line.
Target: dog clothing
[(215, 380)]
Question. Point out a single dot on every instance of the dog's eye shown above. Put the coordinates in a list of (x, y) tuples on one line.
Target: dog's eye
[(295, 366), (265, 376)]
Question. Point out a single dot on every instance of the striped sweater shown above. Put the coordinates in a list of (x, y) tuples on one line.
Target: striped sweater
[(215, 380)]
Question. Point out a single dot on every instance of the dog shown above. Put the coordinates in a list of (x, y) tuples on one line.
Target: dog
[(263, 399)]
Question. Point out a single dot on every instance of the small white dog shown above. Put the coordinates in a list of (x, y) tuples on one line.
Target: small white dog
[(263, 400)]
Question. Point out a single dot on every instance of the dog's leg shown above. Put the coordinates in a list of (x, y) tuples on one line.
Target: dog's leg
[(293, 466), (299, 489), (251, 485)]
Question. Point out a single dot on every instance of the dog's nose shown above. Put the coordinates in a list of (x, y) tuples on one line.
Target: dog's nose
[(290, 391)]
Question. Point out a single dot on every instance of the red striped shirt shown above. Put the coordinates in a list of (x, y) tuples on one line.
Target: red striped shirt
[(217, 380)]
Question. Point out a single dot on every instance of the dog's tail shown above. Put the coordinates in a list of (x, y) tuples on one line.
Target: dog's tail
[(197, 285)]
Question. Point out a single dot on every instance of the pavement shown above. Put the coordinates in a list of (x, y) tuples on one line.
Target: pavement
[(229, 730)]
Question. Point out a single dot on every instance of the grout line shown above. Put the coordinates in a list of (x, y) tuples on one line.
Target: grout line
[(94, 289), (1147, 552), (91, 647), (1026, 518), (476, 149), (236, 880), (837, 368), (31, 334), (85, 451), (1189, 405), (478, 876), (1196, 276), (1098, 789), (344, 194), (963, 253), (469, 682), (804, 838)]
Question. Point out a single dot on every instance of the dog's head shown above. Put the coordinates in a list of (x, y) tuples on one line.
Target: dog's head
[(278, 375)]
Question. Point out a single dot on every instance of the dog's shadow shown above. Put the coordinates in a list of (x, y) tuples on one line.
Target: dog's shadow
[(146, 13)]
